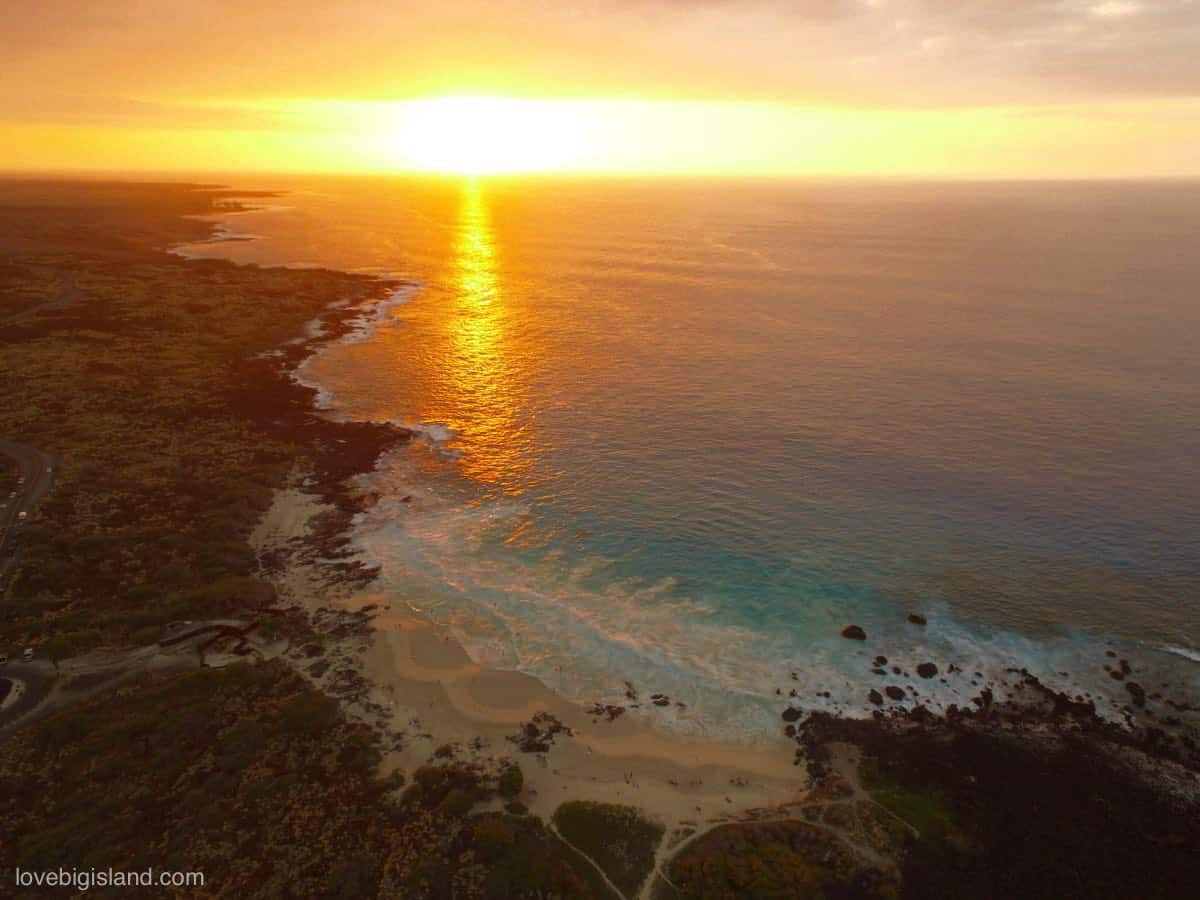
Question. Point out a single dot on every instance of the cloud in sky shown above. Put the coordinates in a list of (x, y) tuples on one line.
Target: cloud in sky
[(244, 81), (900, 53)]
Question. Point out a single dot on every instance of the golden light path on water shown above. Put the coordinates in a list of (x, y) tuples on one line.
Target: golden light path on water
[(485, 366)]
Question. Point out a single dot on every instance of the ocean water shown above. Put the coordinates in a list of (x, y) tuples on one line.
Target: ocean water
[(681, 433)]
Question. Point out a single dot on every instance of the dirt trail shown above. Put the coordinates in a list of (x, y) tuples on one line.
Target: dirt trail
[(845, 765), (68, 295)]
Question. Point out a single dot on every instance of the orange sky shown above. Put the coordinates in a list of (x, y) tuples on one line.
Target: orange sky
[(927, 87)]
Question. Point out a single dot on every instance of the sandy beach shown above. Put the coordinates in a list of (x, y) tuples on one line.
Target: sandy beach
[(422, 691)]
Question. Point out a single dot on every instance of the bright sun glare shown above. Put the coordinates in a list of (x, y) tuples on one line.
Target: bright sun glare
[(484, 135)]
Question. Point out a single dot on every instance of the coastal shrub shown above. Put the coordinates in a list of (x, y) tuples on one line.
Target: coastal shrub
[(354, 878), (388, 784), (432, 785), (309, 713), (235, 592), (202, 762), (522, 858), (241, 744), (457, 802), (494, 836), (358, 753), (748, 861), (511, 781), (617, 838)]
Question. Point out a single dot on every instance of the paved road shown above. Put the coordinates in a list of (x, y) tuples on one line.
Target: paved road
[(37, 469), (40, 687), (31, 683)]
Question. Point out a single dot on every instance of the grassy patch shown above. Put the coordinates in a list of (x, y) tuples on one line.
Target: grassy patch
[(618, 838), (923, 808)]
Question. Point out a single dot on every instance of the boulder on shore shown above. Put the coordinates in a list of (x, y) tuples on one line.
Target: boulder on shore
[(916, 618), (1136, 692)]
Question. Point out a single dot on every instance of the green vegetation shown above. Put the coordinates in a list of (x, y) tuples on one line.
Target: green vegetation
[(520, 857), (617, 838), (511, 781), (144, 380), (922, 808), (485, 856), (188, 773), (248, 775), (8, 477), (769, 861), (24, 288)]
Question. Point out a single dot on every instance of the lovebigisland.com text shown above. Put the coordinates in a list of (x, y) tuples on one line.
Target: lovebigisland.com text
[(86, 879)]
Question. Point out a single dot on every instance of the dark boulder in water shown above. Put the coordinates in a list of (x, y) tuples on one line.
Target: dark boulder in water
[(916, 618), (854, 633), (894, 692), (1136, 692), (791, 714), (875, 697), (881, 660), (927, 670)]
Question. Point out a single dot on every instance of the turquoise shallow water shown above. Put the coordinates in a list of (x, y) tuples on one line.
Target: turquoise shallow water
[(680, 433)]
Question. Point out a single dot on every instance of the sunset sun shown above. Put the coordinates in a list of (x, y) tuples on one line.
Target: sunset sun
[(487, 135)]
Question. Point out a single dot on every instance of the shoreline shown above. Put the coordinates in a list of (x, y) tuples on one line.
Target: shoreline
[(952, 644), (416, 686), (355, 320), (394, 671)]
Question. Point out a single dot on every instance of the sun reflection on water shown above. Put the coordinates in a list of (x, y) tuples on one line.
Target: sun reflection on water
[(486, 364)]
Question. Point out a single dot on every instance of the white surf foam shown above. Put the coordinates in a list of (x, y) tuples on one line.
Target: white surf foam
[(376, 314), (1184, 652), (583, 629)]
